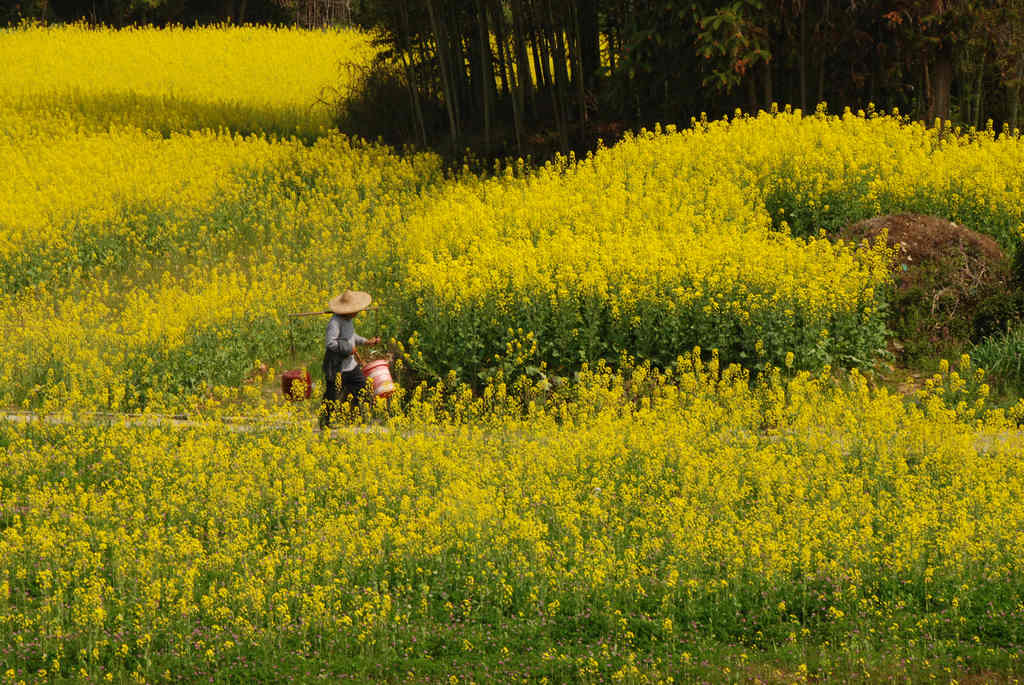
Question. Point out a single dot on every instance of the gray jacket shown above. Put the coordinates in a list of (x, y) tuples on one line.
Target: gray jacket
[(342, 339)]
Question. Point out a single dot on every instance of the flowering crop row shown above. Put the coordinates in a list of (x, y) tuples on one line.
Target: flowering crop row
[(245, 79), (704, 236), (632, 250), (670, 239), (204, 277), (625, 530)]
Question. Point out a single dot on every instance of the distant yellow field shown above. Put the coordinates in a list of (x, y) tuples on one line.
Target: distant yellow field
[(246, 79)]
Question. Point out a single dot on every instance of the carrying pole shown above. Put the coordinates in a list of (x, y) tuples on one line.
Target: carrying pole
[(325, 311), (297, 315)]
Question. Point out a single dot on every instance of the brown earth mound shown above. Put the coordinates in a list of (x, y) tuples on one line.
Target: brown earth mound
[(953, 285)]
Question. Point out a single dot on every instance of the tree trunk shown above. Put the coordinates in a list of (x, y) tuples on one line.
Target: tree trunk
[(405, 50), (941, 85), (821, 82), (545, 73), (879, 79), (590, 42), (822, 52), (803, 58), (523, 79), (517, 98), (486, 71), (576, 55), (976, 118), (547, 51), (541, 54), (921, 111), (517, 111), (520, 71), (614, 45), (561, 68), (460, 77), (414, 96), (446, 84), (1013, 95), (504, 64)]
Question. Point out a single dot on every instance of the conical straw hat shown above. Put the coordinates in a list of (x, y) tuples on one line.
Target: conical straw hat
[(350, 302)]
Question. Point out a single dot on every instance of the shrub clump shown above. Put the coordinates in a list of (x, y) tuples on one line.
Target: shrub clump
[(953, 286), (377, 103)]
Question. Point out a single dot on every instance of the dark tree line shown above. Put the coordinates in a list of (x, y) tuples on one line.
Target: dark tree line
[(501, 74), (517, 69)]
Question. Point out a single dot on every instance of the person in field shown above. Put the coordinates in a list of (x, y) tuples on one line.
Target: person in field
[(343, 377)]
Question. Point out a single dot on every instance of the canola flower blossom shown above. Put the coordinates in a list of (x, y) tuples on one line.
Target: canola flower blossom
[(130, 175), (664, 516), (631, 250), (785, 516), (187, 294), (246, 79), (706, 235)]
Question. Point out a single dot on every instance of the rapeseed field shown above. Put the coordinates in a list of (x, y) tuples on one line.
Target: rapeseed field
[(636, 439)]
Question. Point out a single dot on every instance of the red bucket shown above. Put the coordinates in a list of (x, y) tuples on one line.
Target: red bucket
[(296, 385), (379, 373)]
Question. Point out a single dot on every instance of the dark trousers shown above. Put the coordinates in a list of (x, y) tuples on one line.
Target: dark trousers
[(339, 386)]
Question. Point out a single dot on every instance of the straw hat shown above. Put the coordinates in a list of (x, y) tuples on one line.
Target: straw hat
[(350, 302)]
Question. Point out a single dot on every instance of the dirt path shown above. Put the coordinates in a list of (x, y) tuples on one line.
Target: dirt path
[(235, 424)]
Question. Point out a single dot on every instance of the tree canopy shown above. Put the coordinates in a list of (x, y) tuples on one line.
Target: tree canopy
[(578, 66)]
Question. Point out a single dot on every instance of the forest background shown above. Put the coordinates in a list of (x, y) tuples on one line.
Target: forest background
[(527, 76)]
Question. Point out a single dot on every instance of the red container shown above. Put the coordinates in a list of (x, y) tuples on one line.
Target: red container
[(296, 384), (379, 374)]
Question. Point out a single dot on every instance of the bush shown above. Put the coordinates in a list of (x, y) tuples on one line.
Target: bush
[(952, 285), (376, 104)]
